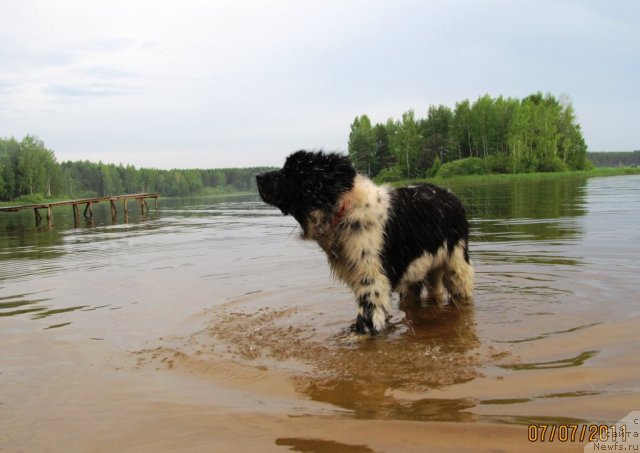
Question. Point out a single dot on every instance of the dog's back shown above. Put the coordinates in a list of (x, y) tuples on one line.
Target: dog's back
[(422, 218)]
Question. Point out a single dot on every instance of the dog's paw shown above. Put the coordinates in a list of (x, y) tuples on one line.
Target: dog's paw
[(363, 325), (367, 325)]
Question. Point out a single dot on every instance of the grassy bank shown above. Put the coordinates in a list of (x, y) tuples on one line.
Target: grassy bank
[(215, 194), (497, 177), (34, 199)]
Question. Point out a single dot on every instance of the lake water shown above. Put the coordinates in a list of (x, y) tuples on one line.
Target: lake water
[(209, 322)]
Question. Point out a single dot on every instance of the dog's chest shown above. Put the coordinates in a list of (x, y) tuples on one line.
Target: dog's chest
[(353, 237)]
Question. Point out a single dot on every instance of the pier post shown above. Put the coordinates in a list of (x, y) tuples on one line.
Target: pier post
[(89, 208), (114, 211), (76, 214)]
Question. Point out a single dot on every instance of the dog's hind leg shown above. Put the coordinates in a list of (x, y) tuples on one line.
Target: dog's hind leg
[(434, 285), (412, 293), (458, 276)]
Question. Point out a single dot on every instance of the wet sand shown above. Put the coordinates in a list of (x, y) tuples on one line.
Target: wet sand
[(193, 334)]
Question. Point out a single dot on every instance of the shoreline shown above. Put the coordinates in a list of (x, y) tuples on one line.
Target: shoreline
[(469, 179), (506, 177)]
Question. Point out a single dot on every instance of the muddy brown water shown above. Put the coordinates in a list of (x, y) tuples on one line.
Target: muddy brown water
[(209, 324)]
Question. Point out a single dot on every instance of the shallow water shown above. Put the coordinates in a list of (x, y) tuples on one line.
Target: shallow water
[(213, 311)]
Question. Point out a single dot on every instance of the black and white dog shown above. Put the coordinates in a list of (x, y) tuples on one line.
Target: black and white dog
[(378, 239)]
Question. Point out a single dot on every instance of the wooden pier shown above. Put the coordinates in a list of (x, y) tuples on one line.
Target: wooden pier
[(88, 207)]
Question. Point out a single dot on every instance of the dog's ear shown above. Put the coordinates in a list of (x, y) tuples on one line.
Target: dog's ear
[(333, 169), (329, 175)]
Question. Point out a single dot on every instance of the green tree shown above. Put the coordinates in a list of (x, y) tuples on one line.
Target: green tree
[(406, 146), (219, 179), (572, 148), (132, 181), (518, 139), (437, 164), (482, 125), (362, 146), (542, 117), (111, 184), (436, 131), (9, 150), (537, 133), (384, 156), (33, 167), (461, 133)]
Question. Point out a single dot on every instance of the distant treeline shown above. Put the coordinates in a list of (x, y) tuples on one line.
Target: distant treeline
[(28, 168), (490, 135), (615, 158)]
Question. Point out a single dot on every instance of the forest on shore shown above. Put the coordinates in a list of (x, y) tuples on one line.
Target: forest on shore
[(615, 158), (28, 169), (491, 135)]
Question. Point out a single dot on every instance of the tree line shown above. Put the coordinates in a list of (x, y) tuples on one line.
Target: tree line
[(28, 168), (490, 135), (615, 158)]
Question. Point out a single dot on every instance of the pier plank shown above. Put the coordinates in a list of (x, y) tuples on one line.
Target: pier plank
[(141, 197)]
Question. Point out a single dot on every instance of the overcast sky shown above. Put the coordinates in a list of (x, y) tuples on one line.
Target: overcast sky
[(242, 83)]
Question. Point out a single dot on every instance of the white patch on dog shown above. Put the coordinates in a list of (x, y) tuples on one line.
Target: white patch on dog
[(458, 276), (353, 243), (420, 267)]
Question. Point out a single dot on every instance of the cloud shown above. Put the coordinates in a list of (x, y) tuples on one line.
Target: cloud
[(254, 80), (87, 90)]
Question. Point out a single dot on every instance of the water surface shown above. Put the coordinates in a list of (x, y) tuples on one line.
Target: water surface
[(214, 309)]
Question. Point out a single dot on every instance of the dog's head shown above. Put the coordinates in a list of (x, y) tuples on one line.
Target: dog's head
[(307, 182)]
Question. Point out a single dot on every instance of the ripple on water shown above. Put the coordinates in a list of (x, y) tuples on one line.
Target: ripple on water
[(427, 347)]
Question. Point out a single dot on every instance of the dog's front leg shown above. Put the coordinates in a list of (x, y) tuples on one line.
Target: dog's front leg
[(373, 308)]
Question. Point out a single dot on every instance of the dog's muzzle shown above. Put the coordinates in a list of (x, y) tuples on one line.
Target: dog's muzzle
[(268, 187)]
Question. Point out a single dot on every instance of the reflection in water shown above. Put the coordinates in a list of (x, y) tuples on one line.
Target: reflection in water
[(320, 446), (36, 308), (19, 238), (55, 326), (51, 312), (370, 402), (562, 363), (549, 334), (428, 346), (450, 326), (18, 305), (525, 210)]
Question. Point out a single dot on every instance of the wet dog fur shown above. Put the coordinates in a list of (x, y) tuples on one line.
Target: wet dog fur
[(377, 239)]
